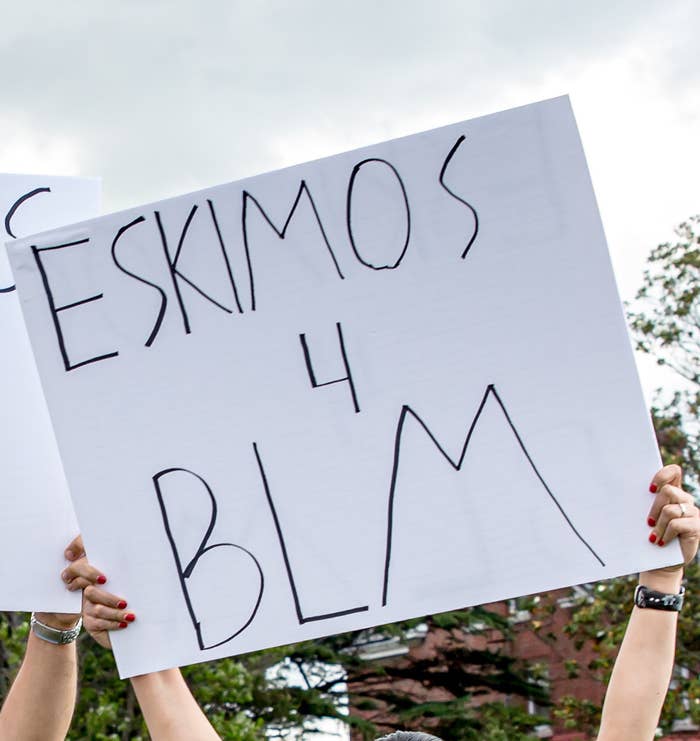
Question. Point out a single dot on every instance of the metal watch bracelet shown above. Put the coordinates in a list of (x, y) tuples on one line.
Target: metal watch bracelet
[(645, 597), (55, 635)]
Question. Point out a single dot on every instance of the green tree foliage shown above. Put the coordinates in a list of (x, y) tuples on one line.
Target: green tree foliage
[(666, 323), (107, 709), (444, 690), (245, 701), (600, 620)]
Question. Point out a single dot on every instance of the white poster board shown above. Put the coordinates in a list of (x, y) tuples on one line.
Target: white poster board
[(37, 520), (388, 383)]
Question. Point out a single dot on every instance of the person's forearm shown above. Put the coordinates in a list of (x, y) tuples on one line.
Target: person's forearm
[(170, 711), (643, 668), (40, 704)]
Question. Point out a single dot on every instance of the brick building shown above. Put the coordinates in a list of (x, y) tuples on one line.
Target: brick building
[(530, 645)]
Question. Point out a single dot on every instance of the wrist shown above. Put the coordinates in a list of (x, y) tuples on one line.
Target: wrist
[(663, 580), (55, 636), (58, 620)]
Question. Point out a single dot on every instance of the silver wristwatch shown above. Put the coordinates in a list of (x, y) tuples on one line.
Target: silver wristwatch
[(55, 635), (645, 597)]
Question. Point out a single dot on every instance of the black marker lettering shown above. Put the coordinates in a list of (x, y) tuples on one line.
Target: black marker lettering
[(290, 575), (225, 256), (8, 220), (457, 465), (348, 212), (163, 297), (445, 164), (185, 571), (312, 376), (175, 274), (56, 309), (281, 233)]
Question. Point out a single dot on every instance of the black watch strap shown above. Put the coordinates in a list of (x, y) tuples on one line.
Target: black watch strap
[(645, 597)]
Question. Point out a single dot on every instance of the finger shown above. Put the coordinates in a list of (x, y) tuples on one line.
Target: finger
[(83, 571), (101, 635), (687, 530), (109, 614), (671, 474), (75, 585), (680, 509), (95, 596), (99, 625), (75, 549), (667, 494)]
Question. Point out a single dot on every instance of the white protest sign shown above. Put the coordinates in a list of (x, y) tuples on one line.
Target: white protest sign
[(388, 383), (37, 521)]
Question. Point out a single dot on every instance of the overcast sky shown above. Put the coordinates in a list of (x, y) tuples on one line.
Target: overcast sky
[(160, 97)]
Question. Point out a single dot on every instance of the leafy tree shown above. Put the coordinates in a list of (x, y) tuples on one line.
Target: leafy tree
[(443, 690), (245, 702), (666, 324), (107, 709)]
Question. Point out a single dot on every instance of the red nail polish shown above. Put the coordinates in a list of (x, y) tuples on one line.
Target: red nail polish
[(130, 617), (652, 537), (661, 542), (121, 604), (651, 521), (101, 579), (123, 624), (653, 488)]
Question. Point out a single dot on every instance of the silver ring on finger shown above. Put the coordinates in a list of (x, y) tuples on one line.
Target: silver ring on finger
[(682, 506)]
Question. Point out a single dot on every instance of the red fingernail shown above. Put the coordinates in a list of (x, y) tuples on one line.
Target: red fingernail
[(130, 617), (123, 624), (661, 542), (653, 488), (651, 521), (652, 537), (121, 604), (101, 579)]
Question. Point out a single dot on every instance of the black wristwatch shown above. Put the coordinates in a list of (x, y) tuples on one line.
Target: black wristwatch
[(645, 597)]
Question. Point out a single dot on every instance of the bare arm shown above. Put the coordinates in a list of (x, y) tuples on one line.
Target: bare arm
[(41, 700), (170, 710), (642, 671), (171, 713), (40, 703), (643, 668)]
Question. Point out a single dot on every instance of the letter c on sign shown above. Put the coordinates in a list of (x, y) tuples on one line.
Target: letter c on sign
[(8, 220)]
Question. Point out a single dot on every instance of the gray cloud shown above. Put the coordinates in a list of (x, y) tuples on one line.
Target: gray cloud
[(163, 97)]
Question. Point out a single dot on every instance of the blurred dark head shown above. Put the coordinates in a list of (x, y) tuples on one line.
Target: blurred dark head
[(409, 736)]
